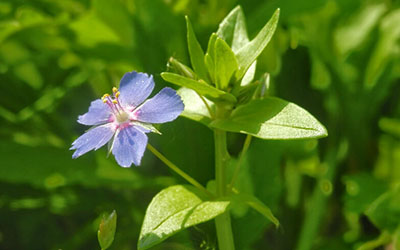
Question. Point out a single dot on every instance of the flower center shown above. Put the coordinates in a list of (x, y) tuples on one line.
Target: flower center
[(121, 116)]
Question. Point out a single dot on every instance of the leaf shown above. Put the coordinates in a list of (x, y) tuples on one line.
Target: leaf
[(210, 56), (196, 52), (233, 29), (199, 86), (176, 66), (384, 212), (195, 109), (257, 205), (249, 76), (272, 118), (174, 209), (106, 231), (249, 53), (225, 64)]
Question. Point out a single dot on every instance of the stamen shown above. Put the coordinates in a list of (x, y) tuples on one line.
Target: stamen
[(114, 90)]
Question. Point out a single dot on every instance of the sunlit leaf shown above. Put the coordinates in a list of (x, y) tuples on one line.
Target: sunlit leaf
[(195, 108), (249, 53), (225, 64), (174, 209), (196, 52), (272, 118), (200, 87), (233, 29)]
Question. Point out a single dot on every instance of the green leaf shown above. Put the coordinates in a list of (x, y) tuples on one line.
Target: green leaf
[(384, 212), (257, 205), (225, 64), (196, 52), (210, 56), (272, 118), (233, 29), (249, 76), (176, 66), (106, 231), (195, 109), (249, 53), (200, 87), (174, 209)]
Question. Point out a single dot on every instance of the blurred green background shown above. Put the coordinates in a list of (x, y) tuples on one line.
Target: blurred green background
[(338, 59)]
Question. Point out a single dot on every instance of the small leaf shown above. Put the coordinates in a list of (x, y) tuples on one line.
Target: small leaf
[(272, 118), (176, 66), (257, 205), (195, 109), (225, 64), (106, 231), (249, 53), (210, 56), (200, 87), (249, 76), (233, 29), (196, 53), (174, 209)]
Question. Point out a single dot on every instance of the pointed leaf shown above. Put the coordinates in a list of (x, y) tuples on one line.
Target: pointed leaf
[(176, 66), (257, 205), (195, 109), (199, 86), (233, 29), (106, 231), (174, 209), (225, 64), (196, 52), (249, 76), (209, 58), (249, 53), (272, 118)]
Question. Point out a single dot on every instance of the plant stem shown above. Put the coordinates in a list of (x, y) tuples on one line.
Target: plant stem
[(177, 170), (239, 163), (223, 221)]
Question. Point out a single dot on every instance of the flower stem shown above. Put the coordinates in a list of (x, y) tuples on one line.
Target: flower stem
[(177, 170), (223, 221)]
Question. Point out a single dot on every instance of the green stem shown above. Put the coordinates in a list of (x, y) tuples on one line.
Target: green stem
[(239, 163), (223, 221), (178, 170), (318, 205)]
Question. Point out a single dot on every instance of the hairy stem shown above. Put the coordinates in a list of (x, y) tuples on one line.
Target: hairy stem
[(223, 221)]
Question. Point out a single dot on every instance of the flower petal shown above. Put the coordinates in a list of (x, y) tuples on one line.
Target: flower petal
[(95, 138), (163, 107), (129, 146), (135, 87), (99, 113)]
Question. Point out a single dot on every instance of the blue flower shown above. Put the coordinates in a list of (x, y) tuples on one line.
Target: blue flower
[(124, 118)]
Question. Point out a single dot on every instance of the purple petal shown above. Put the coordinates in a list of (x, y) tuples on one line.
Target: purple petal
[(95, 138), (135, 88), (99, 113), (129, 146), (163, 107)]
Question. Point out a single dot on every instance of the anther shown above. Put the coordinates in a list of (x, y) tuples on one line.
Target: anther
[(114, 90), (114, 101), (117, 94)]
